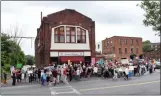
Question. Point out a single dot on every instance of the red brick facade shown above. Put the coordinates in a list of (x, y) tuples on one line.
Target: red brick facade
[(118, 47), (64, 17)]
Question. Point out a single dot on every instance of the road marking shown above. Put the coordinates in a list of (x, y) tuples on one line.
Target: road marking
[(65, 92), (90, 89), (59, 87)]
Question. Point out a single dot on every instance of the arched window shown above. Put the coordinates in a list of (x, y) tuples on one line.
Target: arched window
[(59, 36), (70, 35), (81, 35)]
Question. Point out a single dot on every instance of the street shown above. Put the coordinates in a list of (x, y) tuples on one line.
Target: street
[(149, 84)]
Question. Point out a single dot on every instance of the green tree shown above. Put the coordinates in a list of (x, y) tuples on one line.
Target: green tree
[(132, 56), (11, 53), (146, 46), (29, 60), (152, 14)]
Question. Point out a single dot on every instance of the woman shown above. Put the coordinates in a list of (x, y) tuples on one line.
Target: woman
[(43, 78), (48, 77), (126, 73)]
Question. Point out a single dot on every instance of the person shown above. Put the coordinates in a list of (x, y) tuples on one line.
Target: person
[(30, 72), (78, 74), (43, 78), (55, 74), (126, 73), (14, 78), (115, 74), (95, 70), (48, 77), (5, 77), (70, 73), (39, 75), (58, 74), (64, 75)]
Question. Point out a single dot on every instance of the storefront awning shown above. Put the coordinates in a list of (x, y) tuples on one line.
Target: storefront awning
[(72, 58)]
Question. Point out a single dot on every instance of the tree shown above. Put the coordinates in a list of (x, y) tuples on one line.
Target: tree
[(152, 14), (132, 56), (146, 46), (29, 60), (11, 53), (141, 56)]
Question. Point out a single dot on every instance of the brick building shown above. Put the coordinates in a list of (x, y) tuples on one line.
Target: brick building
[(65, 35), (118, 47), (155, 46)]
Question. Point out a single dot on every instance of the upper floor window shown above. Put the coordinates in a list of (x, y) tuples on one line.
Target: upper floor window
[(81, 35), (70, 35), (137, 50), (120, 51), (120, 41), (131, 41), (137, 42), (59, 36), (126, 50), (125, 41), (132, 51)]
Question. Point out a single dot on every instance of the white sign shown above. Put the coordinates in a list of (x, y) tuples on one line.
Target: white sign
[(71, 54), (124, 61)]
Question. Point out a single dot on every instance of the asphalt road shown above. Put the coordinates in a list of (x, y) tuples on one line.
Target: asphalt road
[(149, 84)]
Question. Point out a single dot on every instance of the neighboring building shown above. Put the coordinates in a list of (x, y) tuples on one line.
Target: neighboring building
[(99, 47), (118, 47), (65, 35), (152, 55), (155, 46), (155, 54)]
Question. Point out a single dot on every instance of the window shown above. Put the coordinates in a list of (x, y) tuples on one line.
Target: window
[(120, 51), (125, 41), (131, 41), (98, 46), (126, 50), (120, 41), (59, 36), (137, 42), (132, 50), (70, 35), (81, 35), (137, 51)]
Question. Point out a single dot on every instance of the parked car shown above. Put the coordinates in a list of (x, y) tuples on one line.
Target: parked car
[(158, 66)]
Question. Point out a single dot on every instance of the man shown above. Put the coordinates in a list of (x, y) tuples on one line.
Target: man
[(14, 78), (54, 73)]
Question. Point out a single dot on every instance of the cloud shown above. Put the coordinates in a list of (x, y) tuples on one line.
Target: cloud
[(122, 18)]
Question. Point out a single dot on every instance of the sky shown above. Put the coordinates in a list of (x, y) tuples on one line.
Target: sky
[(112, 18)]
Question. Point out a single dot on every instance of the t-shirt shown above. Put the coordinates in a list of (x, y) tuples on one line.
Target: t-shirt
[(95, 69), (78, 72)]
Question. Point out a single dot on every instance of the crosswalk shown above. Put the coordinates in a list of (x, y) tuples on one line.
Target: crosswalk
[(64, 90)]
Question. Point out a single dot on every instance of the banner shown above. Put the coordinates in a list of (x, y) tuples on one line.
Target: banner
[(18, 65)]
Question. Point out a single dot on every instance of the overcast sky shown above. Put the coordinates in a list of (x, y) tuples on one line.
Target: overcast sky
[(117, 18)]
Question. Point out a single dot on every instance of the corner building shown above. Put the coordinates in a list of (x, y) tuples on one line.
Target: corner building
[(65, 35), (118, 47)]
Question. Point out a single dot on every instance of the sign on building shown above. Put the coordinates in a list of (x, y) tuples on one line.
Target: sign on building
[(71, 54)]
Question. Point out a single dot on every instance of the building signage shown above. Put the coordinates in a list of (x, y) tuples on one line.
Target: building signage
[(71, 54)]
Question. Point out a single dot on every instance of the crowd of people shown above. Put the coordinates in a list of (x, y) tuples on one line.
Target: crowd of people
[(65, 73)]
